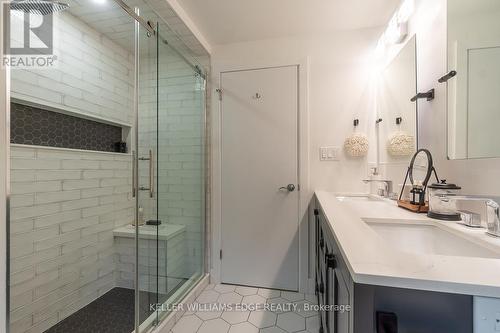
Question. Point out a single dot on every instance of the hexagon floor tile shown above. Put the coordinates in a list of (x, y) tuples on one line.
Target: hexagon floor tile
[(224, 288), (312, 324), (291, 296), (207, 315), (272, 330), (214, 325), (245, 327), (237, 321), (262, 319), (112, 312), (304, 309), (279, 305), (235, 317), (254, 299), (208, 296), (269, 293), (291, 322), (230, 298), (188, 324), (246, 291)]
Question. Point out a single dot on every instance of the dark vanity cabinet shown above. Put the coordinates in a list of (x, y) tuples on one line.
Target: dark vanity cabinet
[(365, 308), (333, 282)]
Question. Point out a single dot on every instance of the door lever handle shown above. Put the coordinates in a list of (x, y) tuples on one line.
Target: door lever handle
[(289, 188)]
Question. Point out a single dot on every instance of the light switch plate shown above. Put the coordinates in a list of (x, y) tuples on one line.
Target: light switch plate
[(329, 153)]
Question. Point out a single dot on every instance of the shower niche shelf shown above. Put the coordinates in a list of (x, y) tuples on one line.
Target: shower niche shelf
[(43, 126)]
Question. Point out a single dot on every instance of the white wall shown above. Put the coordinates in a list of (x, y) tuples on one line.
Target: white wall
[(479, 176), (339, 90)]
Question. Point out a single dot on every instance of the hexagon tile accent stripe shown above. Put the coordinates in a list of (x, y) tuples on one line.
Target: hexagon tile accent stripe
[(278, 320), (35, 126)]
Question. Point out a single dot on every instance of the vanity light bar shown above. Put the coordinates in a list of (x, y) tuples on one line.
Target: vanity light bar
[(397, 28)]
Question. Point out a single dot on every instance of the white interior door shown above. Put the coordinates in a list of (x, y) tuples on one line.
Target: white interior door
[(259, 156)]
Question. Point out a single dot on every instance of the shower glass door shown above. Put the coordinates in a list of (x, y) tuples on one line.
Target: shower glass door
[(171, 172), (181, 168), (150, 261)]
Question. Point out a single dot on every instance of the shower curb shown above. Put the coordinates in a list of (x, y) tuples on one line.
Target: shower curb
[(169, 322)]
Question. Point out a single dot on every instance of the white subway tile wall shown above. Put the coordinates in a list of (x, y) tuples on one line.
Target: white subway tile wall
[(159, 271), (94, 75), (177, 133), (65, 205)]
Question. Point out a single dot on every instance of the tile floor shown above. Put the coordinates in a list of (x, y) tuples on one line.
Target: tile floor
[(286, 312), (113, 312)]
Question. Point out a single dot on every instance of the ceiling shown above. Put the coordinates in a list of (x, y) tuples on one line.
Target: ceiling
[(109, 19), (230, 21)]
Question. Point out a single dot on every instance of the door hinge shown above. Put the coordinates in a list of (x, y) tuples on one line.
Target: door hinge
[(219, 91), (220, 254)]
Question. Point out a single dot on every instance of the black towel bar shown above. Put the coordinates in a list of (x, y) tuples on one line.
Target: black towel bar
[(428, 95), (448, 76)]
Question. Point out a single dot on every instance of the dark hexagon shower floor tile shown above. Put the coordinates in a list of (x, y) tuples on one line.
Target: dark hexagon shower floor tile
[(113, 312)]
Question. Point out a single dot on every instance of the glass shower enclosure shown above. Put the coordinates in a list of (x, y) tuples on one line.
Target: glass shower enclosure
[(169, 173), (101, 220)]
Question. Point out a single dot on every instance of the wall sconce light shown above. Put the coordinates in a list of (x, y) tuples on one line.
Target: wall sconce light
[(397, 29)]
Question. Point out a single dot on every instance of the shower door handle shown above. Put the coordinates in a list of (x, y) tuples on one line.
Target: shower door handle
[(151, 175), (151, 187), (134, 176)]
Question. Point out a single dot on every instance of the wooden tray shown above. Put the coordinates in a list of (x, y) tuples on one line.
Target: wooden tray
[(406, 204)]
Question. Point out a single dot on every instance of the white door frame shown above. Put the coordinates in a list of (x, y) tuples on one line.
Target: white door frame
[(305, 194)]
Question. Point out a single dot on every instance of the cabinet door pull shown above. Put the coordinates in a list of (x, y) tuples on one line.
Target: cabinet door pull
[(331, 261)]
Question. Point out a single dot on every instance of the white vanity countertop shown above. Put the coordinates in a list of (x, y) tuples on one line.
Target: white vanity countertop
[(372, 260), (163, 231)]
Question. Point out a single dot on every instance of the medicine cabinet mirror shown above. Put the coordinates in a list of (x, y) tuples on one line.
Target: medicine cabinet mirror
[(474, 92)]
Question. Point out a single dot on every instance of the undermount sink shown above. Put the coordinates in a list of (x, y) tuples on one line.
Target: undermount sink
[(357, 198), (429, 239)]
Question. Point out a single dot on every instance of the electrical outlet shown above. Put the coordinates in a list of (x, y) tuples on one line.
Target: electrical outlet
[(329, 153)]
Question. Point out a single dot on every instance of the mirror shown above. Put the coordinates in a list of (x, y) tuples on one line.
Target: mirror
[(419, 172), (421, 167), (473, 94), (398, 83)]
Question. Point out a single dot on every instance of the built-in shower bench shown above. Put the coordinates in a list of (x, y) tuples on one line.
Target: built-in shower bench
[(162, 256)]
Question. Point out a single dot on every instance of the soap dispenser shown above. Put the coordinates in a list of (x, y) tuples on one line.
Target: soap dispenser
[(141, 216)]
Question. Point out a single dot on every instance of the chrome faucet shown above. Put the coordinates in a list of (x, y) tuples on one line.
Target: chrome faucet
[(492, 211), (387, 191)]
